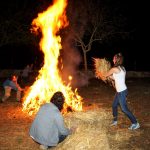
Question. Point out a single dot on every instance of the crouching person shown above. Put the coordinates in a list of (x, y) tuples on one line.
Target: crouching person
[(48, 128), (12, 84)]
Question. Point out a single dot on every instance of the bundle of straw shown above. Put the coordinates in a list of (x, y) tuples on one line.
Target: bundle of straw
[(102, 66), (90, 131)]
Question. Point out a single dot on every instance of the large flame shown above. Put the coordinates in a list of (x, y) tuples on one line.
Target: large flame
[(49, 81)]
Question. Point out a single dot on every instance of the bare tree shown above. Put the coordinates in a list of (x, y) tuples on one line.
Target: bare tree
[(92, 21)]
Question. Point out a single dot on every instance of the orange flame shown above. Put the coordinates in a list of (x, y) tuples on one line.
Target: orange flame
[(49, 81)]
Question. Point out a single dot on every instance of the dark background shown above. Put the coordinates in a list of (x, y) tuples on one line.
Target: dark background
[(17, 56)]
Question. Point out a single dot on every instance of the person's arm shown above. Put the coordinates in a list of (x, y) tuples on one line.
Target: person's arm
[(15, 86), (110, 72), (61, 125), (111, 77), (19, 88)]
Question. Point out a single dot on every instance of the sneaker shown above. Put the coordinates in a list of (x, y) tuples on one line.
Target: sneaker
[(134, 126), (114, 123), (43, 147)]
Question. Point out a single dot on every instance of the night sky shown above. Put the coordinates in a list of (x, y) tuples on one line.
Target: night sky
[(18, 55)]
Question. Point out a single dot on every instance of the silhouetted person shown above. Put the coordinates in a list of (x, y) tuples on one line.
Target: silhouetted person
[(26, 73)]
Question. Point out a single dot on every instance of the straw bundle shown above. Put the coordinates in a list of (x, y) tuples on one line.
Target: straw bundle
[(90, 131), (102, 66)]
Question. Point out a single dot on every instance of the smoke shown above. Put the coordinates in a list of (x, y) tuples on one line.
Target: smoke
[(71, 59)]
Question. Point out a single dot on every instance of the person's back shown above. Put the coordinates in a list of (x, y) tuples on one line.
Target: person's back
[(10, 84), (48, 127)]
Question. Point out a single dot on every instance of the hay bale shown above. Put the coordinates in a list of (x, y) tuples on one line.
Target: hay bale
[(90, 131)]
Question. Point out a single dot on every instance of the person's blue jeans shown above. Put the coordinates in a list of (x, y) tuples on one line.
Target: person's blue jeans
[(120, 99), (62, 138)]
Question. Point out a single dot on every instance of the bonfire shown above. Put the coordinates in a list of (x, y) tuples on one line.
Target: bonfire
[(49, 80)]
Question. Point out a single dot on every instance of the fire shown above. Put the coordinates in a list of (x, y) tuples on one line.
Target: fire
[(49, 81)]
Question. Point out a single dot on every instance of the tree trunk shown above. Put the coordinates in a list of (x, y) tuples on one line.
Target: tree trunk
[(85, 61)]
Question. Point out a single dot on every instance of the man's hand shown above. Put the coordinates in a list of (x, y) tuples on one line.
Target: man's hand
[(73, 129)]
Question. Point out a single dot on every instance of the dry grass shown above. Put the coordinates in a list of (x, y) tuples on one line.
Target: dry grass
[(90, 130), (102, 66), (92, 125)]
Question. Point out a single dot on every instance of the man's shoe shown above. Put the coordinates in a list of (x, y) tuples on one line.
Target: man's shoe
[(134, 126)]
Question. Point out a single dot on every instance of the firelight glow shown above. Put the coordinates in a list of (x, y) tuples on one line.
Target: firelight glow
[(49, 81)]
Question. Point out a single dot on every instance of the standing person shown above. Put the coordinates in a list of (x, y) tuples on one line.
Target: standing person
[(12, 84), (48, 128), (26, 73), (118, 74)]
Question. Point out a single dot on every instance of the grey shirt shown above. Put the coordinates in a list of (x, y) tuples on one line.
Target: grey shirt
[(48, 125)]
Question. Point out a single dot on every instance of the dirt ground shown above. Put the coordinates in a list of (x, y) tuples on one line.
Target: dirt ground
[(14, 124)]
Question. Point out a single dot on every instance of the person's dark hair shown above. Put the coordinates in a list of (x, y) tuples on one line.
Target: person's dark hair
[(58, 100), (119, 60)]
